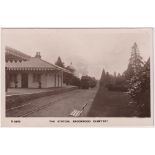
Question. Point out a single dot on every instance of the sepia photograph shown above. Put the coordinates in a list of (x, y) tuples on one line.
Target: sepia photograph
[(77, 72)]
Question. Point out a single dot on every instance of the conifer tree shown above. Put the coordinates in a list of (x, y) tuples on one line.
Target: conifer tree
[(59, 63), (133, 72), (102, 80)]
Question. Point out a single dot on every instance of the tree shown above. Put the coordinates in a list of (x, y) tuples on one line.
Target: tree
[(108, 79), (143, 95), (137, 76), (102, 80), (132, 73), (59, 63), (145, 76), (135, 59), (135, 63)]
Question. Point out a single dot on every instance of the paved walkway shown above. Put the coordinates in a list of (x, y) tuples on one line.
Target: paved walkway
[(21, 91)]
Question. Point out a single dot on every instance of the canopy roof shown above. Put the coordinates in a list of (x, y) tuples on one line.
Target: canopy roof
[(29, 63)]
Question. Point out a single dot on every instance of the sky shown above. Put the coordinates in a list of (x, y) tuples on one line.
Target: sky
[(89, 50)]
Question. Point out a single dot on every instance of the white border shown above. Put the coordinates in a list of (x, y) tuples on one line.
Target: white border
[(110, 13)]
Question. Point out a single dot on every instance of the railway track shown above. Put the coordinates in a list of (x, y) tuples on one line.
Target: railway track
[(38, 108), (44, 105), (41, 107)]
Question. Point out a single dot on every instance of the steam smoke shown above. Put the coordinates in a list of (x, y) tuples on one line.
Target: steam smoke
[(81, 69), (80, 65)]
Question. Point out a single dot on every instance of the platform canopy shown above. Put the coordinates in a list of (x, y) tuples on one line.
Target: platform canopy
[(18, 61)]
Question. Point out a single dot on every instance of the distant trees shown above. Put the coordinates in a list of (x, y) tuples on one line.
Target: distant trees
[(114, 82), (71, 79), (102, 80)]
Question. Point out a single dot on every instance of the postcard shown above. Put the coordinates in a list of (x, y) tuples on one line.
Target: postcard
[(77, 77)]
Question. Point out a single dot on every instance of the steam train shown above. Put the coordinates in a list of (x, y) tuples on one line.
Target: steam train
[(87, 82)]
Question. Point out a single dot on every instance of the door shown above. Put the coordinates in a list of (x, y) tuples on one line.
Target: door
[(24, 80)]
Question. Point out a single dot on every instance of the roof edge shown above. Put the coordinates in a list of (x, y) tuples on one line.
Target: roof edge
[(17, 52)]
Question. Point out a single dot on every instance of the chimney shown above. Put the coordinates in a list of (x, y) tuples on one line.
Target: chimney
[(38, 55)]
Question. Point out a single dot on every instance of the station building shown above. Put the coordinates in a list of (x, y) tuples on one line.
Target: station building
[(24, 71)]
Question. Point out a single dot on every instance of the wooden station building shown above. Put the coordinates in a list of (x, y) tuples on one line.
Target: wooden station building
[(24, 71)]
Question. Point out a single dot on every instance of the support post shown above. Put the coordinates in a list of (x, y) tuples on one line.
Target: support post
[(61, 78), (55, 78), (58, 79)]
